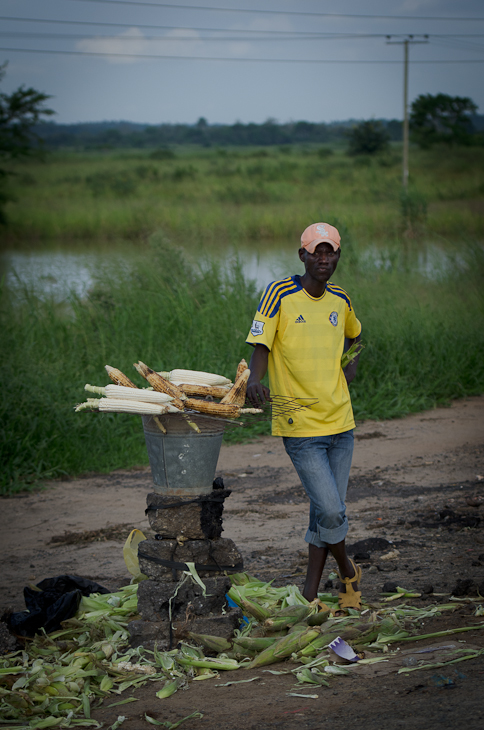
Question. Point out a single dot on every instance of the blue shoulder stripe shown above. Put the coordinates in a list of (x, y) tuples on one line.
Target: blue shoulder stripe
[(277, 290), (339, 292)]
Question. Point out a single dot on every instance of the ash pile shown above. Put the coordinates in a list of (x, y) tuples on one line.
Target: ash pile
[(187, 532)]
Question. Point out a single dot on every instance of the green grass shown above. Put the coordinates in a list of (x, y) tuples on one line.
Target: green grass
[(422, 348), (220, 195), (422, 345)]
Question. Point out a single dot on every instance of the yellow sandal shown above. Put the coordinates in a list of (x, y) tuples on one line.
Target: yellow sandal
[(352, 598)]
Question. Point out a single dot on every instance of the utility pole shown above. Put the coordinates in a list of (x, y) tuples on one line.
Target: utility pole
[(406, 42)]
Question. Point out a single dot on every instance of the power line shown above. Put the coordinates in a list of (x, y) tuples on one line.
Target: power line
[(456, 43), (277, 12), (164, 27), (74, 36), (221, 58), (302, 33), (66, 36), (310, 36)]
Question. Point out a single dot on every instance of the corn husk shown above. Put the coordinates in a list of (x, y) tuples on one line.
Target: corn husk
[(169, 688)]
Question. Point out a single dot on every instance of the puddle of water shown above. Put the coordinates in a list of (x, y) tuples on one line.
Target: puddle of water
[(56, 273)]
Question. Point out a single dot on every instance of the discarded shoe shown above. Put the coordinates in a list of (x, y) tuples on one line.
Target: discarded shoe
[(352, 598)]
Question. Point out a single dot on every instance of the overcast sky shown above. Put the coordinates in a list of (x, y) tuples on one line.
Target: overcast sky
[(143, 60)]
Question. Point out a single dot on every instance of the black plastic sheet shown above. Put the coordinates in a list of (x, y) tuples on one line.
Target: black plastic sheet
[(52, 601)]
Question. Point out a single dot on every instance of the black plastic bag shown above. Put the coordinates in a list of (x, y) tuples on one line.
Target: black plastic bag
[(56, 600)]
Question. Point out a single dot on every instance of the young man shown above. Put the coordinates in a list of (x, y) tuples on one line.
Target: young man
[(299, 334)]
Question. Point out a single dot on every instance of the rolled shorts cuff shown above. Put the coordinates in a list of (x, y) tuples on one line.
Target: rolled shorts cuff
[(324, 537)]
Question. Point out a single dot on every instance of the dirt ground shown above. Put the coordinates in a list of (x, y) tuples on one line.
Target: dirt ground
[(417, 483)]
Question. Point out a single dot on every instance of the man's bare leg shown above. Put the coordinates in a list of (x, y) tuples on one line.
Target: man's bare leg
[(346, 569), (316, 562)]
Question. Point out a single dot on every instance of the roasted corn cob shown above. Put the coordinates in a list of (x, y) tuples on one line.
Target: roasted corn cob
[(236, 394), (216, 391), (161, 385), (118, 377), (240, 369), (220, 410)]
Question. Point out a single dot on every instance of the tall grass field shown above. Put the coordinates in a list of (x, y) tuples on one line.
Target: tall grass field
[(265, 194), (422, 323)]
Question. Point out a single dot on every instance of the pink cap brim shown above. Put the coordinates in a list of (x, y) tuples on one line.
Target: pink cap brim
[(312, 246)]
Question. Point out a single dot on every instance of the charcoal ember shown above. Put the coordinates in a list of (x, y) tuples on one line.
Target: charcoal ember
[(154, 599), (166, 559)]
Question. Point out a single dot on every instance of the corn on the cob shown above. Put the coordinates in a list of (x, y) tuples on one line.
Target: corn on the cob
[(112, 405), (118, 377), (194, 376), (287, 618), (318, 643), (240, 369), (283, 648), (220, 410), (161, 385), (236, 394), (120, 392), (254, 643), (250, 410), (213, 643), (216, 391)]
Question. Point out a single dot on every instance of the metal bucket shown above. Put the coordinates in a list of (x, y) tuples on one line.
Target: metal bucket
[(182, 461)]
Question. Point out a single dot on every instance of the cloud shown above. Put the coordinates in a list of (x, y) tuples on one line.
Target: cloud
[(132, 42)]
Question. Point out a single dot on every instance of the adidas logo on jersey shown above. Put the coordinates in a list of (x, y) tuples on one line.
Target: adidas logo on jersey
[(300, 319)]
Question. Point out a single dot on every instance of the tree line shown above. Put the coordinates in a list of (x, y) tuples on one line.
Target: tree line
[(434, 119), (144, 136)]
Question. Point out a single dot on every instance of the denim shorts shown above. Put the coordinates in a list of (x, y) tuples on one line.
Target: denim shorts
[(323, 466)]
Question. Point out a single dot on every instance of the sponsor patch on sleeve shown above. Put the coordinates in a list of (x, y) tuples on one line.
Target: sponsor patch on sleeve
[(257, 328)]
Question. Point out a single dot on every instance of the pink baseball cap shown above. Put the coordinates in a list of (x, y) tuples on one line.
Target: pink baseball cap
[(320, 233)]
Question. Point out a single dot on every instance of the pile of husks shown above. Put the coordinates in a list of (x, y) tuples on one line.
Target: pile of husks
[(56, 678)]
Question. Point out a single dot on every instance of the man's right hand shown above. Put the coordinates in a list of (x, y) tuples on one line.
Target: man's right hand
[(258, 394)]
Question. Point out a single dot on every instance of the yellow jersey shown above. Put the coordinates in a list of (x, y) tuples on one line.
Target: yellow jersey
[(305, 338)]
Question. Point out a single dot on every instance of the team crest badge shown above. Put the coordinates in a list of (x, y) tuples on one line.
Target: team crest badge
[(333, 318), (257, 328)]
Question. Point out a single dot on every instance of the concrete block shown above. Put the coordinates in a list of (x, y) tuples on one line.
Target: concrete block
[(165, 560), (154, 598), (196, 518)]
